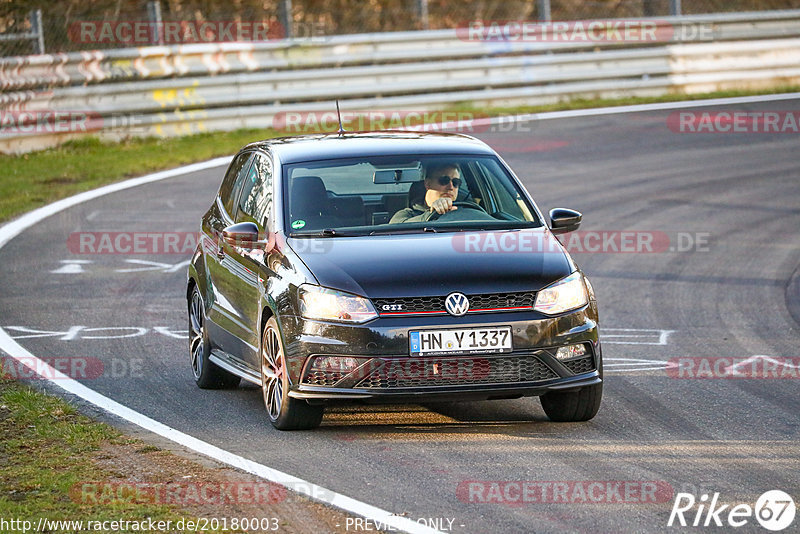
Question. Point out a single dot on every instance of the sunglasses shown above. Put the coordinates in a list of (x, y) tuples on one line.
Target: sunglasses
[(444, 180)]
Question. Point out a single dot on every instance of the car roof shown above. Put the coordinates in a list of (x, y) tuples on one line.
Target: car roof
[(355, 144)]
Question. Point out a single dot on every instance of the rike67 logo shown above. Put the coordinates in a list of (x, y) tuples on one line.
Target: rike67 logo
[(774, 510)]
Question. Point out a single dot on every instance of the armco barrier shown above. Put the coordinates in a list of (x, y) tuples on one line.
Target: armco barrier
[(174, 90)]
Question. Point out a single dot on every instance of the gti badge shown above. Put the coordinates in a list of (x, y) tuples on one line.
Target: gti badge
[(456, 304)]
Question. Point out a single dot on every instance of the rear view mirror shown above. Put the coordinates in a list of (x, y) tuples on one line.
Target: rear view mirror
[(245, 235), (563, 220), (396, 176)]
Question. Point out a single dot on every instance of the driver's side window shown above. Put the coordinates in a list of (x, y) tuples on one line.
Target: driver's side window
[(255, 201), (232, 184)]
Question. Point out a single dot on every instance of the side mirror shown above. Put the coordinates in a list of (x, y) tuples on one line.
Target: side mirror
[(245, 235), (563, 220)]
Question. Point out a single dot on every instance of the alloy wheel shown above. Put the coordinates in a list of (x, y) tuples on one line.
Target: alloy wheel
[(272, 370), (196, 335)]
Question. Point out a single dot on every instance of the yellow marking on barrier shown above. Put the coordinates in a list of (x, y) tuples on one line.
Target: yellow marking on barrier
[(302, 55), (190, 94), (123, 65), (158, 96), (177, 97)]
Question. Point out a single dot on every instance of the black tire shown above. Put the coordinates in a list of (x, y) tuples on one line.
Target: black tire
[(206, 374), (573, 406), (284, 412)]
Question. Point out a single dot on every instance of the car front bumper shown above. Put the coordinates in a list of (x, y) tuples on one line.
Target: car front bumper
[(387, 373)]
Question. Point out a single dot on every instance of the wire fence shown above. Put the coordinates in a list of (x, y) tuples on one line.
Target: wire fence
[(53, 26)]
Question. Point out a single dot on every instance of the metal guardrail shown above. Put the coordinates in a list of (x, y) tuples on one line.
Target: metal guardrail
[(173, 90), (40, 71)]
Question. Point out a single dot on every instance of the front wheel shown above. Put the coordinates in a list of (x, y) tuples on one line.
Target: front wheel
[(573, 406), (284, 412)]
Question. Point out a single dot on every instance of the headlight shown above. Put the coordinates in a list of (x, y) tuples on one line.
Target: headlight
[(566, 294), (330, 305)]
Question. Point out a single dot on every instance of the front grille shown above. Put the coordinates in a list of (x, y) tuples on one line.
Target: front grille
[(410, 304), (477, 303), (581, 365), (432, 371)]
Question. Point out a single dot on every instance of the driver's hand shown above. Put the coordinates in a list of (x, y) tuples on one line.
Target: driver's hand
[(443, 205)]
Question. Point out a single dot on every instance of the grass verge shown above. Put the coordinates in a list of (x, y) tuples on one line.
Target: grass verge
[(58, 465), (46, 450)]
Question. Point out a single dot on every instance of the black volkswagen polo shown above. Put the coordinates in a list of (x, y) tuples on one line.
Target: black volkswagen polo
[(388, 267)]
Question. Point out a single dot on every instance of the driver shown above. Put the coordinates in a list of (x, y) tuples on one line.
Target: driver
[(441, 189)]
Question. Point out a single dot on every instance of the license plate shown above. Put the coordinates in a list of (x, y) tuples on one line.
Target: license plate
[(460, 341)]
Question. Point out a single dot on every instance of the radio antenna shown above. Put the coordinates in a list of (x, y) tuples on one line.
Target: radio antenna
[(339, 114)]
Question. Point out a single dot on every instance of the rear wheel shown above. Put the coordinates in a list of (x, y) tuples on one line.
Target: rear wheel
[(206, 374), (285, 413), (573, 406)]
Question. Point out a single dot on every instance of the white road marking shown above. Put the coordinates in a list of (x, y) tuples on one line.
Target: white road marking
[(72, 267), (177, 334), (653, 337), (155, 266), (16, 351), (319, 493), (68, 335), (633, 364), (613, 110), (76, 332)]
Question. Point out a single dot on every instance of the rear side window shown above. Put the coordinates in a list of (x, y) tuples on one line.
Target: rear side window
[(232, 183), (255, 201)]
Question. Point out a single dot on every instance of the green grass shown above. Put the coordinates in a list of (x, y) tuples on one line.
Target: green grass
[(46, 448), (32, 180)]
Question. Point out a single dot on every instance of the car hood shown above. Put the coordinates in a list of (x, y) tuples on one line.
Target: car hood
[(428, 264)]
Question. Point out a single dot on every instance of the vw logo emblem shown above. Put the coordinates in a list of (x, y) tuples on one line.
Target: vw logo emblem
[(456, 304)]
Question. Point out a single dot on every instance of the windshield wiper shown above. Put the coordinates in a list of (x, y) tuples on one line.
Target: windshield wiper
[(327, 232), (401, 231)]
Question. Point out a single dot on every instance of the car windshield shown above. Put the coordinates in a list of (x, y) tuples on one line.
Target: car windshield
[(394, 194)]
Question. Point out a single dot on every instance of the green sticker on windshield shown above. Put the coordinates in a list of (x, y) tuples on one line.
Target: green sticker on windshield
[(299, 223)]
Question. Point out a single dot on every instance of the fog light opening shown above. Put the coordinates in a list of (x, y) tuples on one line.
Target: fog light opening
[(338, 364), (571, 351)]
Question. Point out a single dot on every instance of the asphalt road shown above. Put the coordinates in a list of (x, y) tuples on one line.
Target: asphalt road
[(730, 295)]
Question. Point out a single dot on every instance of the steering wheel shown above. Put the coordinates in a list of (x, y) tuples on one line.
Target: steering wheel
[(459, 204)]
